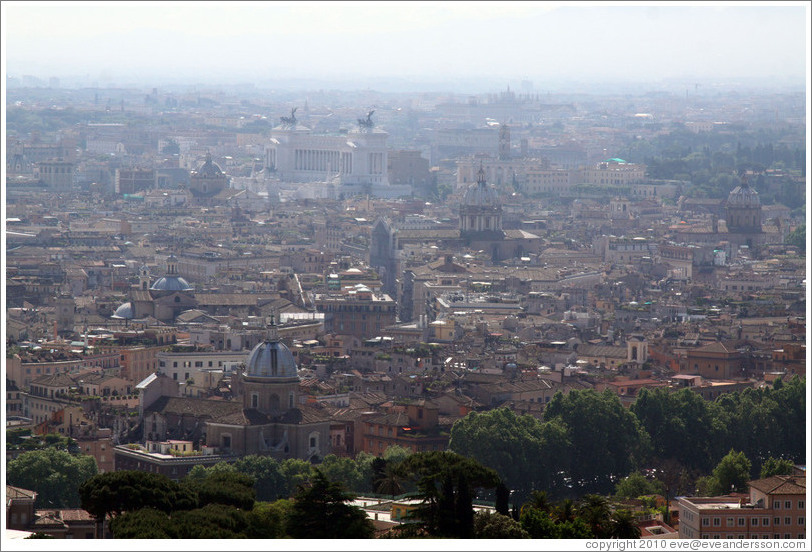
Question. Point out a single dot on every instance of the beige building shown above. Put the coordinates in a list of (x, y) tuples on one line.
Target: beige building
[(356, 311), (614, 172), (774, 509), (57, 175)]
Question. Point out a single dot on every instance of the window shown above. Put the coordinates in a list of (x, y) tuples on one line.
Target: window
[(777, 522), (717, 522), (787, 521), (801, 504), (175, 364), (800, 521), (741, 522), (199, 364), (777, 505), (754, 522), (788, 505), (705, 522)]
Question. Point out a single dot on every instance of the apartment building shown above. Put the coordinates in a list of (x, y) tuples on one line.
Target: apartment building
[(775, 509)]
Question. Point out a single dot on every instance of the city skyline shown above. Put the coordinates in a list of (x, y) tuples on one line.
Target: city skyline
[(392, 44)]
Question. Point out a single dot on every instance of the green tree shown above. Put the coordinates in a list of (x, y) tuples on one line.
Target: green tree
[(295, 473), (538, 524), (395, 454), (223, 487), (55, 475), (542, 525), (446, 482), (607, 440), (320, 511), (130, 490), (565, 511), (776, 466), (390, 481), (146, 523), (623, 526), (268, 520), (637, 484), (502, 499), (595, 512), (269, 482), (733, 472), (522, 449), (213, 521), (682, 426), (489, 525), (342, 470)]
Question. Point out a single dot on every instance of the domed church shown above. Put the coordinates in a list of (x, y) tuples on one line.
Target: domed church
[(481, 211), (265, 416), (164, 300), (743, 216), (207, 181), (271, 420)]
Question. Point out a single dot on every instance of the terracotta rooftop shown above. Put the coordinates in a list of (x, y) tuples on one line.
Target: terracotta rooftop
[(18, 493), (781, 484)]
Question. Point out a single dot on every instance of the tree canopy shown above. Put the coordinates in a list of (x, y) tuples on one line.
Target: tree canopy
[(55, 475), (636, 484), (320, 511), (606, 438), (130, 490), (446, 482)]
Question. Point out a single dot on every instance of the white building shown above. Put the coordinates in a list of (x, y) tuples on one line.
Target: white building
[(356, 162)]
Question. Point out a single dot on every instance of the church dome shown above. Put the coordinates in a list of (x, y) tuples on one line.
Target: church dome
[(271, 359), (743, 196), (171, 283), (124, 312), (209, 169), (480, 194)]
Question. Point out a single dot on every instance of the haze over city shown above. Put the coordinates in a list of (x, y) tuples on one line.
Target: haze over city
[(359, 270), (391, 46)]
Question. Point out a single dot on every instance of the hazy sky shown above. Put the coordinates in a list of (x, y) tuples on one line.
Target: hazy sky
[(219, 41)]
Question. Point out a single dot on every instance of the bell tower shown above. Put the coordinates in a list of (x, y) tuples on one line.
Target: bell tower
[(504, 142), (143, 277)]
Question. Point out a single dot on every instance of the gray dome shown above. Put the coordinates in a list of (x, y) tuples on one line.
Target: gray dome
[(171, 283), (124, 312), (480, 194), (743, 196), (271, 360), (209, 169)]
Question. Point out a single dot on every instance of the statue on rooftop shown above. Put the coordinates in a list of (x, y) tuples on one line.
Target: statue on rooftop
[(367, 123), (290, 121)]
